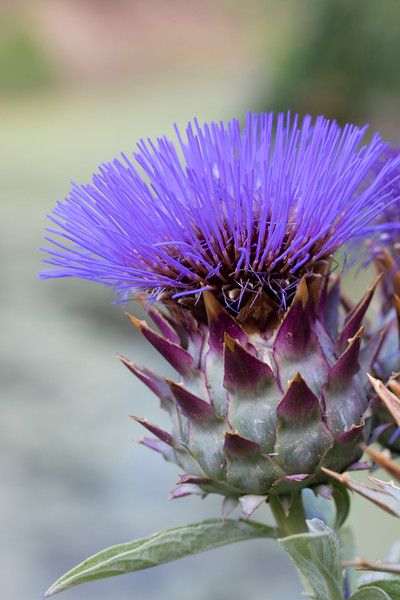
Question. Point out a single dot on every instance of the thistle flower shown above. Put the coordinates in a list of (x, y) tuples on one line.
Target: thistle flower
[(233, 230), (245, 211), (384, 244), (384, 249)]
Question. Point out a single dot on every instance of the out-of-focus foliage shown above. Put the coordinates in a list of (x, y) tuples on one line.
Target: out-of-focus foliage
[(342, 60), (23, 63)]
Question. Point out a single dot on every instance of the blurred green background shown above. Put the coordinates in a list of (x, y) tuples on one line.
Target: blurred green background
[(81, 81)]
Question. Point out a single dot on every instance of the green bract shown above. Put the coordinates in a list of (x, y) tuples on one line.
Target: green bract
[(264, 400)]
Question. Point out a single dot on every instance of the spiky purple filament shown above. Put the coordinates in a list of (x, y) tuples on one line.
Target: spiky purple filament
[(245, 210)]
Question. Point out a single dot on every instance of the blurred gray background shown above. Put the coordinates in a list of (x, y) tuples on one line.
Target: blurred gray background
[(81, 81)]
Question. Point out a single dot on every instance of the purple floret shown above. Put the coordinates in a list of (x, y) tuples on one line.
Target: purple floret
[(387, 232), (232, 209)]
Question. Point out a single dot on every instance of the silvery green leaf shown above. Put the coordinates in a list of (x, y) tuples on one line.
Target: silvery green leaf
[(317, 556), (161, 548), (342, 502), (372, 593), (390, 586)]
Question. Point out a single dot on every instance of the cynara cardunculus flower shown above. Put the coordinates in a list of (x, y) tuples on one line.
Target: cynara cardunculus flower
[(383, 243), (232, 231), (384, 249)]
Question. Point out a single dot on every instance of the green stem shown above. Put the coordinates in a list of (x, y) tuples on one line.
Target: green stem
[(291, 521)]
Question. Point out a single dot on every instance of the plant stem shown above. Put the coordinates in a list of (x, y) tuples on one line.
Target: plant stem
[(292, 520), (365, 565)]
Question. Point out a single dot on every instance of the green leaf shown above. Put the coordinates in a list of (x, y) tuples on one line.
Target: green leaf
[(161, 548), (317, 556), (372, 592), (342, 501), (390, 586)]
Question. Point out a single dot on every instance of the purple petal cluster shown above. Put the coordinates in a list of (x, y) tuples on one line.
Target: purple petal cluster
[(234, 209), (386, 234)]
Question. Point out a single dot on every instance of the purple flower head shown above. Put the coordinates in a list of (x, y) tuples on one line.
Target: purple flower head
[(234, 209), (386, 233)]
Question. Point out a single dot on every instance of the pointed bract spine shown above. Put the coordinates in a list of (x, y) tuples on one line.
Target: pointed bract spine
[(243, 371), (274, 435), (193, 407), (294, 334), (355, 317), (179, 358)]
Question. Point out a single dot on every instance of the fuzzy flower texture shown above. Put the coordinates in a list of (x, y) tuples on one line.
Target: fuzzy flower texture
[(233, 231), (245, 210)]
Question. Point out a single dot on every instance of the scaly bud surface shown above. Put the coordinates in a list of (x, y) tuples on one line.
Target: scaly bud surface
[(261, 412)]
